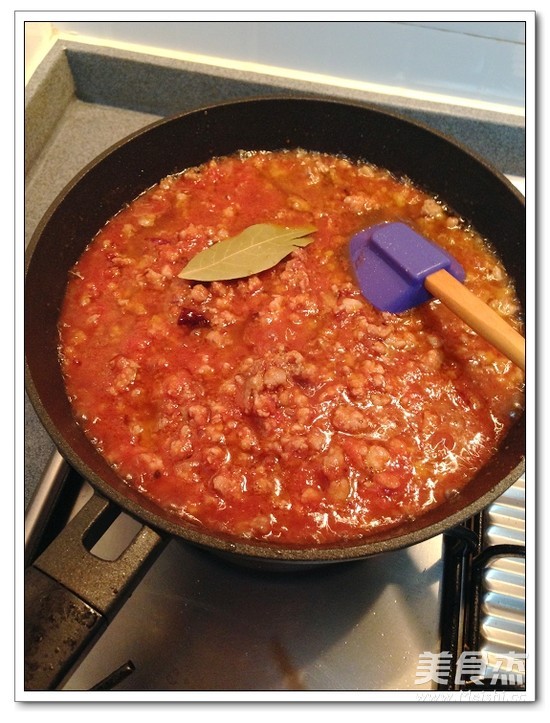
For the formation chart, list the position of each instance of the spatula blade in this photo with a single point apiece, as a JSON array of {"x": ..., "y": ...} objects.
[{"x": 391, "y": 261}]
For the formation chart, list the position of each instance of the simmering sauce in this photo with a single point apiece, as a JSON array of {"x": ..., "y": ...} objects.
[{"x": 282, "y": 406}]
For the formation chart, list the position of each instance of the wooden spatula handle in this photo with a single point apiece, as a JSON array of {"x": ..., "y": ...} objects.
[{"x": 478, "y": 315}]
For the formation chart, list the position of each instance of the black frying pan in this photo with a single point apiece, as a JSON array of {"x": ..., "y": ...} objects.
[{"x": 463, "y": 181}]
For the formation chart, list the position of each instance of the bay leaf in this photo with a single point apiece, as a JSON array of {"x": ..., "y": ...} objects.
[{"x": 257, "y": 248}]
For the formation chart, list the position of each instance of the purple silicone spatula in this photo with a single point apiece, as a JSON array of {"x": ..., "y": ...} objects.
[{"x": 398, "y": 269}]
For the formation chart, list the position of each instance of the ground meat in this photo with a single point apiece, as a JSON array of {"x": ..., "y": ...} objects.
[
  {"x": 347, "y": 418},
  {"x": 282, "y": 406}
]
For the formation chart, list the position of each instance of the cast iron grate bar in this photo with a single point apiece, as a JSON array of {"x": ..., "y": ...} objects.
[{"x": 116, "y": 677}]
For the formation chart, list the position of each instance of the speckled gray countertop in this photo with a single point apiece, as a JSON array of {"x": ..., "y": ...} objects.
[{"x": 82, "y": 99}]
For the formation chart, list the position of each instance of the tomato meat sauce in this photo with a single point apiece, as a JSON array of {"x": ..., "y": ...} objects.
[{"x": 282, "y": 406}]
